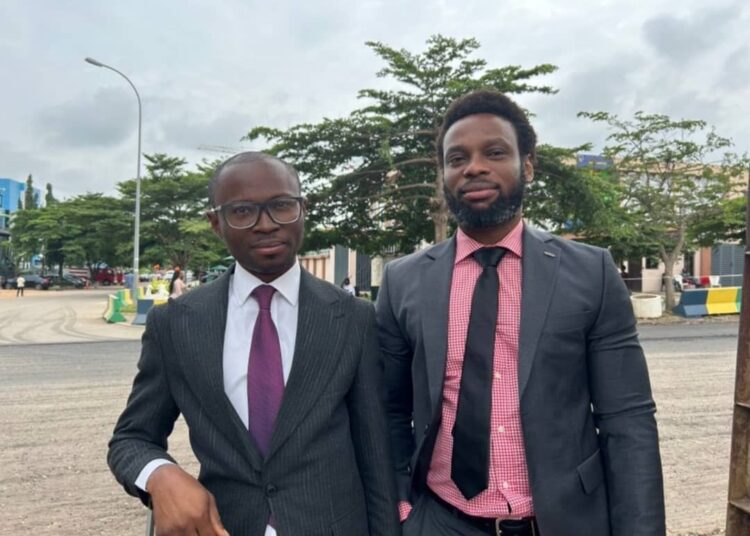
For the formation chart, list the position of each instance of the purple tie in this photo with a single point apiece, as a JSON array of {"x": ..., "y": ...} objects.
[{"x": 265, "y": 377}]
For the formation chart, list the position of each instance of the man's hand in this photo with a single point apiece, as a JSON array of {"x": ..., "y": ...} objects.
[{"x": 182, "y": 506}]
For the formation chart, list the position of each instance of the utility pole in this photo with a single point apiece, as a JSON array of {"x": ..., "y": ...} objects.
[{"x": 738, "y": 508}]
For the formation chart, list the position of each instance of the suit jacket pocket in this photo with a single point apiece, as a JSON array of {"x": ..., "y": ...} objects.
[
  {"x": 352, "y": 524},
  {"x": 591, "y": 472}
]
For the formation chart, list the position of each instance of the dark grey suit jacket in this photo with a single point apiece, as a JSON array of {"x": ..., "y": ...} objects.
[
  {"x": 328, "y": 467},
  {"x": 585, "y": 399}
]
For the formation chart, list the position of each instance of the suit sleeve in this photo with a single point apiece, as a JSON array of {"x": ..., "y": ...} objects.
[
  {"x": 397, "y": 354},
  {"x": 624, "y": 414},
  {"x": 141, "y": 432},
  {"x": 369, "y": 432}
]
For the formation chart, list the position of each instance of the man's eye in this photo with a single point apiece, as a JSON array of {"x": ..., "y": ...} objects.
[
  {"x": 282, "y": 204},
  {"x": 242, "y": 209},
  {"x": 454, "y": 160}
]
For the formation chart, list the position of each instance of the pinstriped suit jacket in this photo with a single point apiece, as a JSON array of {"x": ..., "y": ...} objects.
[{"x": 328, "y": 467}]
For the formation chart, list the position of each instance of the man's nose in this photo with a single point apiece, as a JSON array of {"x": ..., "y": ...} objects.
[
  {"x": 265, "y": 223},
  {"x": 476, "y": 165}
]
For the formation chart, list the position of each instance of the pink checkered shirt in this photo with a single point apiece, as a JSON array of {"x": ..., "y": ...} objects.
[{"x": 508, "y": 493}]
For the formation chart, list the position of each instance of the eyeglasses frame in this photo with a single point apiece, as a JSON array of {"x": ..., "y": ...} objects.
[{"x": 262, "y": 207}]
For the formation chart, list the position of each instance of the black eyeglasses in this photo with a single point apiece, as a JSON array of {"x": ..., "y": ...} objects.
[{"x": 245, "y": 214}]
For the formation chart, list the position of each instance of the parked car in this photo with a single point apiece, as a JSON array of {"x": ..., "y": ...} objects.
[
  {"x": 67, "y": 280},
  {"x": 32, "y": 281}
]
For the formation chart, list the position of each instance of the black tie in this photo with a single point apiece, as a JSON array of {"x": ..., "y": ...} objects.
[{"x": 471, "y": 433}]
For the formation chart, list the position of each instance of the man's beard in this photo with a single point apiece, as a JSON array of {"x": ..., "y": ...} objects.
[{"x": 503, "y": 209}]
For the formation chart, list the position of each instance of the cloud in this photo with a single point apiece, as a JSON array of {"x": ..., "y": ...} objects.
[
  {"x": 736, "y": 70},
  {"x": 104, "y": 119},
  {"x": 684, "y": 38}
]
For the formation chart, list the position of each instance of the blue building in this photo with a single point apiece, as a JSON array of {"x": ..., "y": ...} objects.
[{"x": 11, "y": 198}]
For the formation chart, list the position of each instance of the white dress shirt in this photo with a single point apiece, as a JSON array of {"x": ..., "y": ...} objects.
[{"x": 242, "y": 311}]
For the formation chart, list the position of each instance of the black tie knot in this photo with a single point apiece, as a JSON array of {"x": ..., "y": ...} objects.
[{"x": 489, "y": 257}]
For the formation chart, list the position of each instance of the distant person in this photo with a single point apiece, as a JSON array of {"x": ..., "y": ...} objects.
[
  {"x": 346, "y": 284},
  {"x": 277, "y": 374},
  {"x": 626, "y": 277},
  {"x": 177, "y": 284},
  {"x": 517, "y": 391},
  {"x": 20, "y": 284},
  {"x": 130, "y": 281}
]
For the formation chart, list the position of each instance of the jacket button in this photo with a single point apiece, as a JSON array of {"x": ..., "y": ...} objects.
[
  {"x": 270, "y": 490},
  {"x": 426, "y": 428}
]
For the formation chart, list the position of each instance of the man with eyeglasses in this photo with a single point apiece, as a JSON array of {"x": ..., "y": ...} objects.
[{"x": 276, "y": 374}]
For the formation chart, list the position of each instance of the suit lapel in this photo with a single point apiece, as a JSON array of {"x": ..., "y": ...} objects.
[
  {"x": 204, "y": 336},
  {"x": 540, "y": 263},
  {"x": 435, "y": 285},
  {"x": 320, "y": 331}
]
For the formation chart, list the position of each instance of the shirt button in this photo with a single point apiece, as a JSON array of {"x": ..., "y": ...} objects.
[
  {"x": 506, "y": 485},
  {"x": 497, "y": 375},
  {"x": 501, "y": 429}
]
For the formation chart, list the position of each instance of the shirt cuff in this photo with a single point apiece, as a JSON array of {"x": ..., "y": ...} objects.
[
  {"x": 146, "y": 472},
  {"x": 404, "y": 509}
]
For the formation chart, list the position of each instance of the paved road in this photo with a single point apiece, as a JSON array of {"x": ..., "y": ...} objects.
[
  {"x": 46, "y": 316},
  {"x": 692, "y": 373},
  {"x": 58, "y": 403}
]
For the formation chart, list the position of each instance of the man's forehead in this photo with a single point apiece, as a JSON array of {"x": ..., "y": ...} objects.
[
  {"x": 489, "y": 126},
  {"x": 261, "y": 164},
  {"x": 260, "y": 168}
]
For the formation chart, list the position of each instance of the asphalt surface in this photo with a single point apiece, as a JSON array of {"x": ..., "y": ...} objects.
[{"x": 65, "y": 375}]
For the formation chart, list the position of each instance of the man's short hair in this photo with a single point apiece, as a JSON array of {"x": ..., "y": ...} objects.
[
  {"x": 243, "y": 158},
  {"x": 495, "y": 103}
]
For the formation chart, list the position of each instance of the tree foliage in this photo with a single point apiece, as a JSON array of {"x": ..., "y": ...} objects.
[
  {"x": 173, "y": 200},
  {"x": 724, "y": 222},
  {"x": 93, "y": 228},
  {"x": 49, "y": 197},
  {"x": 83, "y": 230},
  {"x": 29, "y": 199},
  {"x": 372, "y": 178},
  {"x": 668, "y": 180}
]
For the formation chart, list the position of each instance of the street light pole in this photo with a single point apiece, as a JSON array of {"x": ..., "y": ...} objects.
[{"x": 136, "y": 232}]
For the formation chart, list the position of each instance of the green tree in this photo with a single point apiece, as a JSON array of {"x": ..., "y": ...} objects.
[
  {"x": 49, "y": 197},
  {"x": 580, "y": 202},
  {"x": 29, "y": 199},
  {"x": 83, "y": 230},
  {"x": 372, "y": 177},
  {"x": 173, "y": 200},
  {"x": 668, "y": 180},
  {"x": 724, "y": 222}
]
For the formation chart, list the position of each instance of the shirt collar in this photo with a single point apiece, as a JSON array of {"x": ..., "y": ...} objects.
[
  {"x": 287, "y": 284},
  {"x": 513, "y": 242}
]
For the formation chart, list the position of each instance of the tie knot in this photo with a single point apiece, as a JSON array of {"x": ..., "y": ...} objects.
[
  {"x": 489, "y": 256},
  {"x": 263, "y": 295}
]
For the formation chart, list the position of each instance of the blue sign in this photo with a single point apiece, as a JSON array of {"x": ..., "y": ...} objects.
[{"x": 593, "y": 161}]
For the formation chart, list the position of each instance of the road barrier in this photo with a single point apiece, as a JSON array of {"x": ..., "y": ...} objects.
[
  {"x": 125, "y": 296},
  {"x": 142, "y": 309},
  {"x": 112, "y": 313},
  {"x": 709, "y": 301}
]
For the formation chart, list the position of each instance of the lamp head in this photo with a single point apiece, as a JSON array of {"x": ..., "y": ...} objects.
[{"x": 92, "y": 61}]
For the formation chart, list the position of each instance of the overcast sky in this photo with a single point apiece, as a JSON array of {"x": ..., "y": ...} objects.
[{"x": 209, "y": 71}]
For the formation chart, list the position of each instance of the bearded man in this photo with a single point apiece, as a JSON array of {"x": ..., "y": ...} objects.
[{"x": 517, "y": 391}]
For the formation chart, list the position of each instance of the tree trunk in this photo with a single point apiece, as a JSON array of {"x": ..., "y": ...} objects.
[
  {"x": 439, "y": 210},
  {"x": 669, "y": 258},
  {"x": 668, "y": 281}
]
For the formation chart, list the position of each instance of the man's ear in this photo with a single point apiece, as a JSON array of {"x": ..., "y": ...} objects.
[
  {"x": 528, "y": 169},
  {"x": 213, "y": 219}
]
